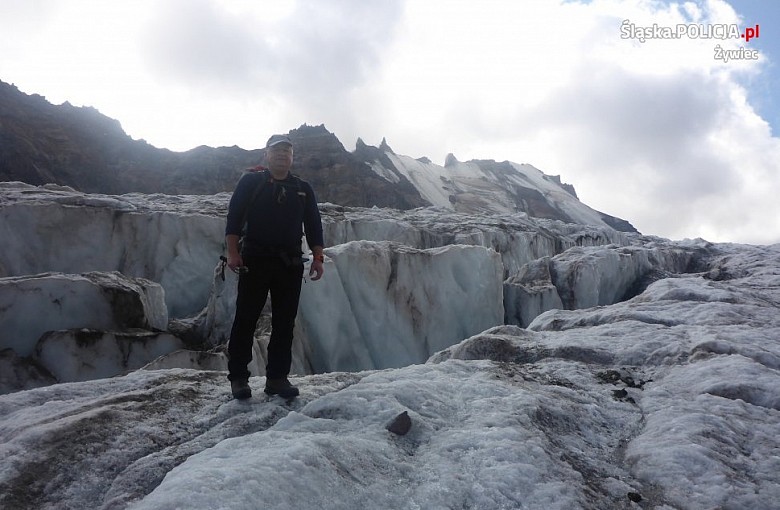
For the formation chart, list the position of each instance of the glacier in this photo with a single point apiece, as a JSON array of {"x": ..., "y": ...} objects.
[
  {"x": 174, "y": 243},
  {"x": 542, "y": 363},
  {"x": 666, "y": 400}
]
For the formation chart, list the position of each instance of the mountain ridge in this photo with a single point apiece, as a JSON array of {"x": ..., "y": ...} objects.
[{"x": 41, "y": 143}]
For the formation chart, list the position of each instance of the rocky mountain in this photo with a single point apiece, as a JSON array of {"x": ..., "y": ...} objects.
[
  {"x": 79, "y": 147},
  {"x": 41, "y": 143}
]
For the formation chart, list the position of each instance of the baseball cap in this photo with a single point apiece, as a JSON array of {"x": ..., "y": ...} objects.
[{"x": 277, "y": 139}]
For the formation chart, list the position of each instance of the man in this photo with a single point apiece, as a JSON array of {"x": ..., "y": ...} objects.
[{"x": 274, "y": 205}]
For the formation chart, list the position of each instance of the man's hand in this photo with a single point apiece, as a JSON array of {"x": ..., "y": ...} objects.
[
  {"x": 234, "y": 261},
  {"x": 316, "y": 267},
  {"x": 317, "y": 270}
]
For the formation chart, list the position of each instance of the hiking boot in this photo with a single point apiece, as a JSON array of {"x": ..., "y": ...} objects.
[
  {"x": 281, "y": 387},
  {"x": 241, "y": 389}
]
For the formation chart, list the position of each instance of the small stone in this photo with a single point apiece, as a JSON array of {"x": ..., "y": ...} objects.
[
  {"x": 401, "y": 424},
  {"x": 635, "y": 497},
  {"x": 619, "y": 394}
]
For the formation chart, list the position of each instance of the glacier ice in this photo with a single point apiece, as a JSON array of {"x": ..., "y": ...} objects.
[
  {"x": 669, "y": 396},
  {"x": 662, "y": 387},
  {"x": 362, "y": 316},
  {"x": 32, "y": 305}
]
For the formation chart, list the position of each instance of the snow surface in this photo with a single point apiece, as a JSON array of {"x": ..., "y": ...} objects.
[
  {"x": 476, "y": 186},
  {"x": 671, "y": 397}
]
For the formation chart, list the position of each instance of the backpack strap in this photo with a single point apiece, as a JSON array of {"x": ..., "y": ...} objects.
[
  {"x": 299, "y": 190},
  {"x": 263, "y": 180}
]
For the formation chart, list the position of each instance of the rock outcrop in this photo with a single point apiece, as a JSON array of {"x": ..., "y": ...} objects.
[
  {"x": 41, "y": 143},
  {"x": 79, "y": 147},
  {"x": 340, "y": 177}
]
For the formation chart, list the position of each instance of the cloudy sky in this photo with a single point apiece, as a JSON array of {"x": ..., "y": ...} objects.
[{"x": 665, "y": 133}]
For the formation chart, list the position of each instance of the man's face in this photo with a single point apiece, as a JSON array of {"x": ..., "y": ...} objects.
[{"x": 280, "y": 156}]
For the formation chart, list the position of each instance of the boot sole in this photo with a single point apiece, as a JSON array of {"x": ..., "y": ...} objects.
[
  {"x": 282, "y": 394},
  {"x": 242, "y": 395}
]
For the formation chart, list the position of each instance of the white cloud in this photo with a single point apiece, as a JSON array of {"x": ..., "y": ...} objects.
[
  {"x": 656, "y": 132},
  {"x": 659, "y": 133}
]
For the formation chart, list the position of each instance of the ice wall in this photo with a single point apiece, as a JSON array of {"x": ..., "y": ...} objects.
[
  {"x": 379, "y": 305},
  {"x": 585, "y": 277},
  {"x": 83, "y": 354},
  {"x": 176, "y": 240},
  {"x": 386, "y": 305},
  {"x": 33, "y": 305},
  {"x": 391, "y": 275},
  {"x": 517, "y": 237},
  {"x": 172, "y": 240}
]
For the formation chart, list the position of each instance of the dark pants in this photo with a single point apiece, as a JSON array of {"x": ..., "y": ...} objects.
[{"x": 284, "y": 282}]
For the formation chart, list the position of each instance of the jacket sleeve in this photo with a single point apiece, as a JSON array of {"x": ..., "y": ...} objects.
[
  {"x": 312, "y": 221},
  {"x": 238, "y": 202}
]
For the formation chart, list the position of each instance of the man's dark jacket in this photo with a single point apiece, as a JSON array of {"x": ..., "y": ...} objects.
[{"x": 277, "y": 215}]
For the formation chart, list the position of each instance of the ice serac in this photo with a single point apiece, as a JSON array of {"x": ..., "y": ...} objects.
[
  {"x": 515, "y": 238},
  {"x": 530, "y": 292},
  {"x": 33, "y": 305},
  {"x": 518, "y": 238},
  {"x": 172, "y": 240},
  {"x": 175, "y": 241},
  {"x": 389, "y": 305},
  {"x": 592, "y": 276},
  {"x": 381, "y": 305},
  {"x": 84, "y": 354},
  {"x": 588, "y": 276}
]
